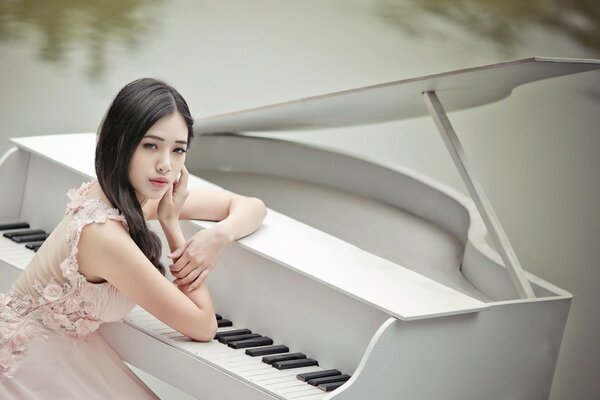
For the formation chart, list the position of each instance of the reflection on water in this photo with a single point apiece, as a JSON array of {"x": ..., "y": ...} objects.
[
  {"x": 501, "y": 21},
  {"x": 62, "y": 25}
]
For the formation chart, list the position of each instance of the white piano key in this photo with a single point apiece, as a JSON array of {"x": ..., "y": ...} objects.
[
  {"x": 287, "y": 384},
  {"x": 146, "y": 322},
  {"x": 231, "y": 354},
  {"x": 227, "y": 329},
  {"x": 204, "y": 350},
  {"x": 301, "y": 389},
  {"x": 17, "y": 253},
  {"x": 251, "y": 367},
  {"x": 276, "y": 379},
  {"x": 235, "y": 357},
  {"x": 308, "y": 396},
  {"x": 10, "y": 246},
  {"x": 151, "y": 323},
  {"x": 231, "y": 357},
  {"x": 267, "y": 377}
]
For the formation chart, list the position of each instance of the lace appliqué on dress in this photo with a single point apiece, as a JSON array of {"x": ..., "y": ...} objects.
[{"x": 63, "y": 307}]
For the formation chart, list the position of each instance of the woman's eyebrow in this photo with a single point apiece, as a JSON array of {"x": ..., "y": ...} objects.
[{"x": 162, "y": 140}]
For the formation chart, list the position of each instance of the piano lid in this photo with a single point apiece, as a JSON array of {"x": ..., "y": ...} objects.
[{"x": 396, "y": 100}]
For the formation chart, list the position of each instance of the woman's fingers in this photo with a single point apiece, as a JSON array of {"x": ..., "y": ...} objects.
[
  {"x": 181, "y": 191},
  {"x": 179, "y": 265},
  {"x": 183, "y": 179},
  {"x": 182, "y": 273},
  {"x": 189, "y": 277},
  {"x": 199, "y": 280}
]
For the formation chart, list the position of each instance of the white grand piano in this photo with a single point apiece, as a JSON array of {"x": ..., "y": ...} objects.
[{"x": 407, "y": 288}]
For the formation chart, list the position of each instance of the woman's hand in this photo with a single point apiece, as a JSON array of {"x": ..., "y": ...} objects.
[
  {"x": 171, "y": 203},
  {"x": 196, "y": 258}
]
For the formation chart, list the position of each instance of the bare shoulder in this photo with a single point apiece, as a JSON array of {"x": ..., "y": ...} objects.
[
  {"x": 101, "y": 245},
  {"x": 103, "y": 235}
]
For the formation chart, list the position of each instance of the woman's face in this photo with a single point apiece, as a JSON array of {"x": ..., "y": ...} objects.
[{"x": 159, "y": 157}]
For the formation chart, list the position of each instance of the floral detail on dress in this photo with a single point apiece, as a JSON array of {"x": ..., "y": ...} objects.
[
  {"x": 77, "y": 196},
  {"x": 65, "y": 307},
  {"x": 14, "y": 330}
]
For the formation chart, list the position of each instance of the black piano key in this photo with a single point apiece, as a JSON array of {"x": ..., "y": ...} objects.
[
  {"x": 306, "y": 362},
  {"x": 33, "y": 245},
  {"x": 222, "y": 323},
  {"x": 328, "y": 379},
  {"x": 328, "y": 387},
  {"x": 36, "y": 248},
  {"x": 29, "y": 238},
  {"x": 283, "y": 357},
  {"x": 244, "y": 344},
  {"x": 227, "y": 339},
  {"x": 218, "y": 317},
  {"x": 14, "y": 225},
  {"x": 10, "y": 235},
  {"x": 232, "y": 332},
  {"x": 264, "y": 351},
  {"x": 319, "y": 374}
]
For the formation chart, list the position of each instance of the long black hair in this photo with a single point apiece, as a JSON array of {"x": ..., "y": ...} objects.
[{"x": 137, "y": 107}]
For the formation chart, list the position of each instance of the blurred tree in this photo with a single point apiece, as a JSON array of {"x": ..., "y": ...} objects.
[
  {"x": 61, "y": 25},
  {"x": 501, "y": 21}
]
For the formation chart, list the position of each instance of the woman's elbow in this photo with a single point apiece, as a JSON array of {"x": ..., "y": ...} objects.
[
  {"x": 260, "y": 207},
  {"x": 207, "y": 331}
]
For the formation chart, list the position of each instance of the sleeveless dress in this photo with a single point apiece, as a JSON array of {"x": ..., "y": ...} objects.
[{"x": 49, "y": 347}]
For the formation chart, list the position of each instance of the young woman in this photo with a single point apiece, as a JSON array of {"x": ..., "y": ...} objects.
[{"x": 49, "y": 347}]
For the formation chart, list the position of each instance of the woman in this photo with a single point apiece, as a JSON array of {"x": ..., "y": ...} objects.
[{"x": 110, "y": 259}]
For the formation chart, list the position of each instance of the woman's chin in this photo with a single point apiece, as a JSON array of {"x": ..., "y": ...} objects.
[
  {"x": 156, "y": 195},
  {"x": 151, "y": 195}
]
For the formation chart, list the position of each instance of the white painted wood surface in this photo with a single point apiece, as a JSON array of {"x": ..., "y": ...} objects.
[
  {"x": 13, "y": 170},
  {"x": 387, "y": 210},
  {"x": 508, "y": 352},
  {"x": 460, "y": 89}
]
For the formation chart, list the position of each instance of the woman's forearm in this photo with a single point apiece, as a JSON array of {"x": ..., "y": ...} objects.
[
  {"x": 245, "y": 216},
  {"x": 201, "y": 296},
  {"x": 173, "y": 233}
]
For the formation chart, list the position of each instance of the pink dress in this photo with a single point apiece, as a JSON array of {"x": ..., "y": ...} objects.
[{"x": 49, "y": 347}]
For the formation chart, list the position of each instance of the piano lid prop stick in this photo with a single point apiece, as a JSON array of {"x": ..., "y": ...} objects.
[{"x": 499, "y": 238}]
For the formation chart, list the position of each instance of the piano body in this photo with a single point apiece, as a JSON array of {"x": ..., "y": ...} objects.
[{"x": 376, "y": 271}]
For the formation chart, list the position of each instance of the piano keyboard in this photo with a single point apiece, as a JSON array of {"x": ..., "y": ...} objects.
[
  {"x": 249, "y": 356},
  {"x": 239, "y": 351},
  {"x": 18, "y": 243}
]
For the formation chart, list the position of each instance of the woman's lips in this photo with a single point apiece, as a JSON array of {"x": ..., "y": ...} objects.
[{"x": 159, "y": 182}]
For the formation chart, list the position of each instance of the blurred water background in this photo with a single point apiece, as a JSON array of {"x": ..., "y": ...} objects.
[{"x": 62, "y": 62}]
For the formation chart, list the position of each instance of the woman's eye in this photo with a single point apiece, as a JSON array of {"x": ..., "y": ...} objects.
[
  {"x": 151, "y": 146},
  {"x": 180, "y": 150}
]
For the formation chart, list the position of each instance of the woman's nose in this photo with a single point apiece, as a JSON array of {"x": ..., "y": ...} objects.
[{"x": 163, "y": 163}]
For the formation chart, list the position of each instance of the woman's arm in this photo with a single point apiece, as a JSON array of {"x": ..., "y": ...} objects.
[
  {"x": 237, "y": 217},
  {"x": 198, "y": 256},
  {"x": 106, "y": 250}
]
